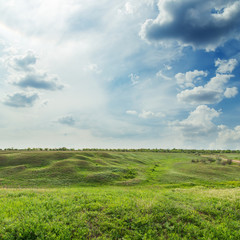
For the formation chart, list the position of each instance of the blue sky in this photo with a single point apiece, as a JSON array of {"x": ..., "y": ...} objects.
[{"x": 120, "y": 74}]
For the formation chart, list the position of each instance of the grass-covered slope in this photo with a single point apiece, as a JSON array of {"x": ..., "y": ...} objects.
[{"x": 73, "y": 168}]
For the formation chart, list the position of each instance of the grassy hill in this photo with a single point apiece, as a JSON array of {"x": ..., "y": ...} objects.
[
  {"x": 119, "y": 195},
  {"x": 57, "y": 169}
]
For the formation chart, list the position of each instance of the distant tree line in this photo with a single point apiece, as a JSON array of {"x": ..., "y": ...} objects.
[{"x": 157, "y": 150}]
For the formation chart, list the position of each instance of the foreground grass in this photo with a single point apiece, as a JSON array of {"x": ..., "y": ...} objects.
[{"x": 120, "y": 213}]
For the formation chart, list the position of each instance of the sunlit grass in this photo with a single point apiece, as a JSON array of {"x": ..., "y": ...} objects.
[{"x": 115, "y": 195}]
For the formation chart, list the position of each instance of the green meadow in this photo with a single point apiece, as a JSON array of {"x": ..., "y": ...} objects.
[{"x": 119, "y": 195}]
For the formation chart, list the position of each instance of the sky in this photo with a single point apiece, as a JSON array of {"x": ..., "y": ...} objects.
[{"x": 120, "y": 74}]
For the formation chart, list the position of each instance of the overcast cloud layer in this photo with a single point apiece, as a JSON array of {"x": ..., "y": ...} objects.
[{"x": 120, "y": 74}]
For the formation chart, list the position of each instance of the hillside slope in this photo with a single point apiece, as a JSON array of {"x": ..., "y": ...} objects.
[{"x": 80, "y": 168}]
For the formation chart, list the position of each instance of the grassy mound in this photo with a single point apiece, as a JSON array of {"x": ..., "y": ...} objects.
[{"x": 57, "y": 169}]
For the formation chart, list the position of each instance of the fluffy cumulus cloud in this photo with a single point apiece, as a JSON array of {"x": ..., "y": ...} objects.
[
  {"x": 200, "y": 95},
  {"x": 227, "y": 138},
  {"x": 198, "y": 124},
  {"x": 21, "y": 100},
  {"x": 199, "y": 129},
  {"x": 231, "y": 92},
  {"x": 225, "y": 66},
  {"x": 198, "y": 23},
  {"x": 213, "y": 91},
  {"x": 188, "y": 79}
]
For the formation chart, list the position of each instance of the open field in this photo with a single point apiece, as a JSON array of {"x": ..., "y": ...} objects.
[{"x": 119, "y": 195}]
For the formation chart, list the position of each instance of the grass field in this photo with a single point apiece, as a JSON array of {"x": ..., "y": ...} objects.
[{"x": 118, "y": 195}]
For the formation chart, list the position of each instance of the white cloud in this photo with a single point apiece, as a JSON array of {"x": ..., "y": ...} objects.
[
  {"x": 134, "y": 78},
  {"x": 213, "y": 91},
  {"x": 64, "y": 42},
  {"x": 194, "y": 23},
  {"x": 231, "y": 92},
  {"x": 34, "y": 19},
  {"x": 129, "y": 8},
  {"x": 225, "y": 66},
  {"x": 167, "y": 67},
  {"x": 163, "y": 76},
  {"x": 146, "y": 114},
  {"x": 198, "y": 125},
  {"x": 131, "y": 112},
  {"x": 21, "y": 100},
  {"x": 23, "y": 62},
  {"x": 24, "y": 73},
  {"x": 218, "y": 82},
  {"x": 200, "y": 95},
  {"x": 188, "y": 79},
  {"x": 227, "y": 138},
  {"x": 38, "y": 80},
  {"x": 150, "y": 114},
  {"x": 93, "y": 67},
  {"x": 199, "y": 129}
]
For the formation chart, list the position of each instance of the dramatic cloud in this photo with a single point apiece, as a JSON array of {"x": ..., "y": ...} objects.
[
  {"x": 94, "y": 48},
  {"x": 231, "y": 92},
  {"x": 198, "y": 23},
  {"x": 212, "y": 92},
  {"x": 67, "y": 120},
  {"x": 198, "y": 124},
  {"x": 189, "y": 78},
  {"x": 39, "y": 81},
  {"x": 21, "y": 100}
]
